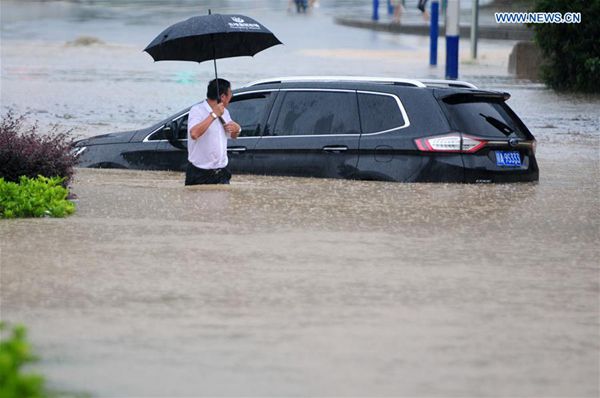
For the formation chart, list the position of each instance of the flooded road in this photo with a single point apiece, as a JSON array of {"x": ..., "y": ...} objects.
[
  {"x": 289, "y": 286},
  {"x": 292, "y": 286}
]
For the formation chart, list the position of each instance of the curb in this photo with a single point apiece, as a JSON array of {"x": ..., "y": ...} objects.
[{"x": 515, "y": 32}]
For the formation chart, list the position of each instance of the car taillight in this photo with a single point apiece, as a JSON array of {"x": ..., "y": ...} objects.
[{"x": 450, "y": 143}]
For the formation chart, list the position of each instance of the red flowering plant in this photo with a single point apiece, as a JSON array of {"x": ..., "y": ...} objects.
[{"x": 24, "y": 151}]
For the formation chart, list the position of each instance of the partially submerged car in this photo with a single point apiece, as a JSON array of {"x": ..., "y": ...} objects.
[{"x": 347, "y": 127}]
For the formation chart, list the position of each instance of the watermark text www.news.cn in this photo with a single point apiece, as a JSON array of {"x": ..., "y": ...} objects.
[{"x": 538, "y": 17}]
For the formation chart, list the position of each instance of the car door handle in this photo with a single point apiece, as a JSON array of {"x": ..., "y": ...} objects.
[
  {"x": 237, "y": 149},
  {"x": 335, "y": 148}
]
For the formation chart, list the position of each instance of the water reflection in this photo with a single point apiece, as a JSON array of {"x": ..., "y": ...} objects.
[{"x": 259, "y": 203}]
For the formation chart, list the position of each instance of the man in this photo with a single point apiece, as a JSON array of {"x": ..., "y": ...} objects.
[
  {"x": 209, "y": 126},
  {"x": 398, "y": 9},
  {"x": 422, "y": 6}
]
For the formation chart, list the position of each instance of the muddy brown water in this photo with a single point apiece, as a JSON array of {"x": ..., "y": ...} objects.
[{"x": 294, "y": 286}]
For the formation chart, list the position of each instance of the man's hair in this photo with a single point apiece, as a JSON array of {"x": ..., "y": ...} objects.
[{"x": 211, "y": 91}]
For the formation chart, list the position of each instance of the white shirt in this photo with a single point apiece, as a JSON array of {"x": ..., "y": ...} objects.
[{"x": 209, "y": 151}]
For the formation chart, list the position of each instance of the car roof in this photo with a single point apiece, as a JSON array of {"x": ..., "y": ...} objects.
[
  {"x": 440, "y": 87},
  {"x": 364, "y": 79}
]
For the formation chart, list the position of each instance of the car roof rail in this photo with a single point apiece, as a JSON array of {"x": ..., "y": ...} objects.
[
  {"x": 358, "y": 79},
  {"x": 447, "y": 83}
]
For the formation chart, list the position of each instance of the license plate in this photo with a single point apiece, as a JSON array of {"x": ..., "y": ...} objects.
[{"x": 508, "y": 158}]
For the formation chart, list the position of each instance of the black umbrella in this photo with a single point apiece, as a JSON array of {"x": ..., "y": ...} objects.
[{"x": 212, "y": 36}]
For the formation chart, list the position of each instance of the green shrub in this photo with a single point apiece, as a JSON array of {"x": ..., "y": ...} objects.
[
  {"x": 15, "y": 352},
  {"x": 38, "y": 197},
  {"x": 572, "y": 51}
]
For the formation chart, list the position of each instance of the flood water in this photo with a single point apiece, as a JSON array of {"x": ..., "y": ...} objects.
[{"x": 290, "y": 286}]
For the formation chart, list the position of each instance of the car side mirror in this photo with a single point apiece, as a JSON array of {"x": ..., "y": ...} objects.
[{"x": 173, "y": 134}]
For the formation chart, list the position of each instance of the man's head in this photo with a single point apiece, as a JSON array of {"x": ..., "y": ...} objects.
[{"x": 224, "y": 91}]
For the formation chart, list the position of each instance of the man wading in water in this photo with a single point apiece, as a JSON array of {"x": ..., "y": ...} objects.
[{"x": 209, "y": 126}]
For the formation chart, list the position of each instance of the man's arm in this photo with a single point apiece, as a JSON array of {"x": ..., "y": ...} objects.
[
  {"x": 200, "y": 128},
  {"x": 233, "y": 129}
]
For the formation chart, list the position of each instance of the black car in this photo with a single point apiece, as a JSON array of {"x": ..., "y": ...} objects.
[{"x": 345, "y": 127}]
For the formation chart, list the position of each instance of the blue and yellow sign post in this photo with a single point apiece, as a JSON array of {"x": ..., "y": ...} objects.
[
  {"x": 375, "y": 10},
  {"x": 434, "y": 32}
]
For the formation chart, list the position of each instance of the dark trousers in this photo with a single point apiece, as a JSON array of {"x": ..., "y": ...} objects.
[{"x": 196, "y": 176}]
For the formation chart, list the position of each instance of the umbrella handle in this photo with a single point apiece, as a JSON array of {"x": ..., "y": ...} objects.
[
  {"x": 217, "y": 81},
  {"x": 216, "y": 75}
]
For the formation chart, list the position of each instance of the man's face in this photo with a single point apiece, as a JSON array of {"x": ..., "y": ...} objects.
[{"x": 225, "y": 98}]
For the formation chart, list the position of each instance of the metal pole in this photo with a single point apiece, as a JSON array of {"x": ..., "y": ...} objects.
[
  {"x": 375, "y": 10},
  {"x": 216, "y": 76},
  {"x": 474, "y": 28},
  {"x": 215, "y": 63},
  {"x": 433, "y": 33},
  {"x": 452, "y": 37}
]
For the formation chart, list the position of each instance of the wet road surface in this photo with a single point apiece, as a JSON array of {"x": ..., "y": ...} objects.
[{"x": 292, "y": 286}]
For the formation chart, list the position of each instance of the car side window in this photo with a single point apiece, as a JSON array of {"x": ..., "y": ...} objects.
[
  {"x": 379, "y": 113},
  {"x": 165, "y": 132},
  {"x": 247, "y": 110},
  {"x": 159, "y": 135},
  {"x": 317, "y": 113}
]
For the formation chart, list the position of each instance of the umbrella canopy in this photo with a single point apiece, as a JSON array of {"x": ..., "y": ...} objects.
[{"x": 211, "y": 36}]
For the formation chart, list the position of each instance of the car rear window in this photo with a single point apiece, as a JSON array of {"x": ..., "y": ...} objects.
[
  {"x": 317, "y": 112},
  {"x": 379, "y": 113},
  {"x": 484, "y": 117}
]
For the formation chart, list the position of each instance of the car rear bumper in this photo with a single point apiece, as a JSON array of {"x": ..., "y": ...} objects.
[{"x": 482, "y": 170}]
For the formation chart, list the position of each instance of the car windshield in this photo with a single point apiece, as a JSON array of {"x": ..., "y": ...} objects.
[{"x": 484, "y": 117}]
